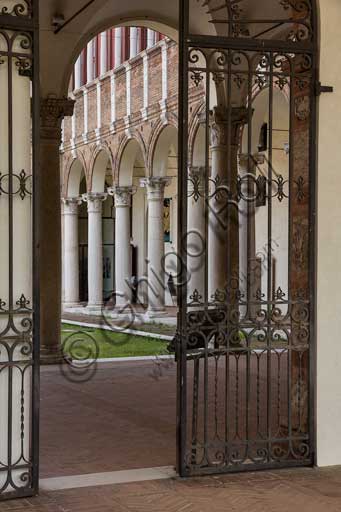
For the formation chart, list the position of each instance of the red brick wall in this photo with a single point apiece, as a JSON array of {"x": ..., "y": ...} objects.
[
  {"x": 137, "y": 86},
  {"x": 92, "y": 109},
  {"x": 172, "y": 66},
  {"x": 121, "y": 98},
  {"x": 155, "y": 76},
  {"x": 106, "y": 102}
]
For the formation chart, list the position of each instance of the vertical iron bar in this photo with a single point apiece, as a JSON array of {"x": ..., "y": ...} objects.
[
  {"x": 182, "y": 231},
  {"x": 35, "y": 248},
  {"x": 227, "y": 356},
  {"x": 10, "y": 248},
  {"x": 269, "y": 262}
]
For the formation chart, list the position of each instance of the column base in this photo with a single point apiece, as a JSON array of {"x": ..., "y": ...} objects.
[
  {"x": 51, "y": 355},
  {"x": 71, "y": 305},
  {"x": 156, "y": 313},
  {"x": 94, "y": 308}
]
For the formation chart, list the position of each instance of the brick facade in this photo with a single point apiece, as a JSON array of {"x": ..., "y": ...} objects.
[{"x": 142, "y": 125}]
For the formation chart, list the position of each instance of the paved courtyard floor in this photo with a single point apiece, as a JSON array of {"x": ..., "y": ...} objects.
[
  {"x": 122, "y": 417},
  {"x": 300, "y": 490}
]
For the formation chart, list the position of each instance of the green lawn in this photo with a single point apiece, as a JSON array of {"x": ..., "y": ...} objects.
[{"x": 85, "y": 343}]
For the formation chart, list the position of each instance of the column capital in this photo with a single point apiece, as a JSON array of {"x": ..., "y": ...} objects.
[
  {"x": 219, "y": 120},
  {"x": 94, "y": 200},
  {"x": 155, "y": 186},
  {"x": 52, "y": 112},
  {"x": 71, "y": 205},
  {"x": 122, "y": 195}
]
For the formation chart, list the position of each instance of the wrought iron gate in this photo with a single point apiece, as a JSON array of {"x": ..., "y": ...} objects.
[
  {"x": 246, "y": 235},
  {"x": 19, "y": 347}
]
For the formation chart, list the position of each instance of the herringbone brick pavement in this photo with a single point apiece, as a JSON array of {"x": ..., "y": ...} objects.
[{"x": 300, "y": 490}]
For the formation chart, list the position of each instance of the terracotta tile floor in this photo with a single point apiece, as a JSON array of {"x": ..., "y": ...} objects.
[
  {"x": 300, "y": 490},
  {"x": 123, "y": 418}
]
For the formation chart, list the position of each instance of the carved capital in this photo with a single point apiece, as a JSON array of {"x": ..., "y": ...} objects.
[
  {"x": 52, "y": 112},
  {"x": 122, "y": 196},
  {"x": 94, "y": 201},
  {"x": 155, "y": 187},
  {"x": 71, "y": 205},
  {"x": 219, "y": 123}
]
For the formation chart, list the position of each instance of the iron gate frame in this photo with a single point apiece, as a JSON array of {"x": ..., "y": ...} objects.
[
  {"x": 28, "y": 24},
  {"x": 187, "y": 41}
]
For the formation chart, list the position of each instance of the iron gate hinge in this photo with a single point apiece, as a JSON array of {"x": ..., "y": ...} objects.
[{"x": 320, "y": 89}]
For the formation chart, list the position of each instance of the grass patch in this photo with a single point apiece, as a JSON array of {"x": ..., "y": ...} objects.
[{"x": 108, "y": 343}]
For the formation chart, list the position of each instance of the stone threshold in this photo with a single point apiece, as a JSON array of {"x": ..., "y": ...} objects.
[{"x": 107, "y": 478}]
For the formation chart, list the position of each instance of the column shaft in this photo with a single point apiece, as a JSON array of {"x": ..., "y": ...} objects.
[
  {"x": 123, "y": 256},
  {"x": 156, "y": 245},
  {"x": 196, "y": 243},
  {"x": 52, "y": 112},
  {"x": 71, "y": 252},
  {"x": 95, "y": 250},
  {"x": 223, "y": 251},
  {"x": 249, "y": 273}
]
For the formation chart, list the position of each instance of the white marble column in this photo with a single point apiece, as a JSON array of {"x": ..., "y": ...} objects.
[
  {"x": 90, "y": 61},
  {"x": 95, "y": 249},
  {"x": 104, "y": 67},
  {"x": 71, "y": 251},
  {"x": 156, "y": 246},
  {"x": 223, "y": 249},
  {"x": 196, "y": 237},
  {"x": 133, "y": 42},
  {"x": 118, "y": 46},
  {"x": 249, "y": 271},
  {"x": 123, "y": 256},
  {"x": 218, "y": 211},
  {"x": 78, "y": 73}
]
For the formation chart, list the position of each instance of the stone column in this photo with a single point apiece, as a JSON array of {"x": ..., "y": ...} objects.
[
  {"x": 223, "y": 250},
  {"x": 95, "y": 249},
  {"x": 123, "y": 257},
  {"x": 218, "y": 209},
  {"x": 53, "y": 111},
  {"x": 103, "y": 53},
  {"x": 249, "y": 271},
  {"x": 196, "y": 238},
  {"x": 156, "y": 247},
  {"x": 71, "y": 251}
]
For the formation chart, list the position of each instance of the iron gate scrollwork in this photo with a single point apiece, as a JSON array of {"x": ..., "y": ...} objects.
[
  {"x": 19, "y": 299},
  {"x": 245, "y": 345}
]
